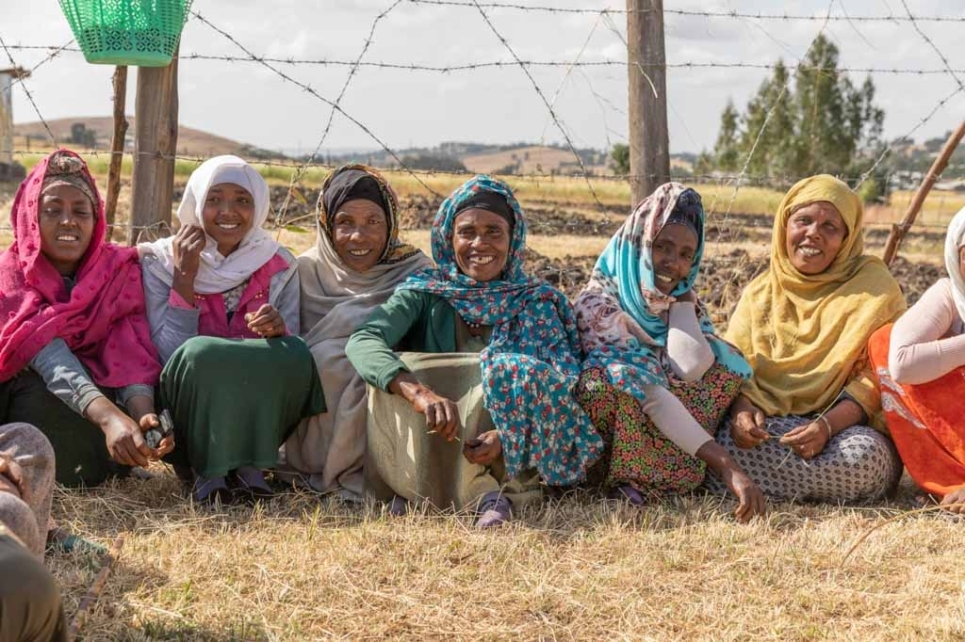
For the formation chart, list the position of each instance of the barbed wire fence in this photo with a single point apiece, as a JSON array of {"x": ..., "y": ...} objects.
[{"x": 285, "y": 69}]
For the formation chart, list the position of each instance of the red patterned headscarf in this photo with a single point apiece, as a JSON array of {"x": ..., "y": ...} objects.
[{"x": 102, "y": 320}]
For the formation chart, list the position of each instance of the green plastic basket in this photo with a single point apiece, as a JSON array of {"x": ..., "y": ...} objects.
[{"x": 144, "y": 33}]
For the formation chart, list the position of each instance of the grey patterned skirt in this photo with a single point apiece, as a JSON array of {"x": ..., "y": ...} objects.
[{"x": 858, "y": 464}]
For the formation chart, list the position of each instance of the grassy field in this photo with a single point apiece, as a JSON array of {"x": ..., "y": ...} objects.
[
  {"x": 307, "y": 568},
  {"x": 580, "y": 568}
]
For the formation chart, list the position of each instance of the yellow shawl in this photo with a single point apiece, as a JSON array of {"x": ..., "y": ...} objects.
[{"x": 806, "y": 336}]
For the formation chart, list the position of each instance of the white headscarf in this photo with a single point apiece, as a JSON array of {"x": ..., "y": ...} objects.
[
  {"x": 221, "y": 273},
  {"x": 953, "y": 241}
]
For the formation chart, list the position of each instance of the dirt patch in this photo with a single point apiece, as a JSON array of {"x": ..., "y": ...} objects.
[{"x": 722, "y": 277}]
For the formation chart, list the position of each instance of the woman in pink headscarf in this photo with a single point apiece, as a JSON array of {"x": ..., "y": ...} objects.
[{"x": 75, "y": 347}]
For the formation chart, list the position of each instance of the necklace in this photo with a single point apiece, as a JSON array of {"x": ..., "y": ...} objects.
[{"x": 472, "y": 325}]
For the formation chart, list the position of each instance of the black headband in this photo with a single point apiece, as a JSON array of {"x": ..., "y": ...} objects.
[
  {"x": 366, "y": 189},
  {"x": 491, "y": 202}
]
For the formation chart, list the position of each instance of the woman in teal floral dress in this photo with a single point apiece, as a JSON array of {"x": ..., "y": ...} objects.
[
  {"x": 498, "y": 359},
  {"x": 656, "y": 381}
]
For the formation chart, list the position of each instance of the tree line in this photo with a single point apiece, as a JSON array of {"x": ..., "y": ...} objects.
[{"x": 809, "y": 120}]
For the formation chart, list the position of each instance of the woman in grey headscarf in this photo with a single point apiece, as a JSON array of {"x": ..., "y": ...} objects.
[{"x": 354, "y": 267}]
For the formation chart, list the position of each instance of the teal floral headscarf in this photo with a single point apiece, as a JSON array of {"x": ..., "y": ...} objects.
[
  {"x": 532, "y": 363},
  {"x": 622, "y": 316}
]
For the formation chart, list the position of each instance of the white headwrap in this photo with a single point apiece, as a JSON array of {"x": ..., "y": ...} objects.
[
  {"x": 953, "y": 242},
  {"x": 221, "y": 273}
]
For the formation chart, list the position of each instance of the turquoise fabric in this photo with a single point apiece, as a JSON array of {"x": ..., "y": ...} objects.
[
  {"x": 624, "y": 274},
  {"x": 532, "y": 363}
]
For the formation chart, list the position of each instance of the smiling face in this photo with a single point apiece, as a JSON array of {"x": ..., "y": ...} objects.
[
  {"x": 359, "y": 232},
  {"x": 66, "y": 227},
  {"x": 673, "y": 253},
  {"x": 228, "y": 212},
  {"x": 480, "y": 241},
  {"x": 815, "y": 234}
]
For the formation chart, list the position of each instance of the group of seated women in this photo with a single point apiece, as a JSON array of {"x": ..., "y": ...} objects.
[{"x": 364, "y": 368}]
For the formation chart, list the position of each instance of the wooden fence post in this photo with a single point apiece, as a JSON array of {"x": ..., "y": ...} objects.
[
  {"x": 649, "y": 139},
  {"x": 898, "y": 230},
  {"x": 156, "y": 142},
  {"x": 117, "y": 146}
]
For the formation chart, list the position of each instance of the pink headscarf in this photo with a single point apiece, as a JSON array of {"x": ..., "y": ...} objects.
[{"x": 102, "y": 321}]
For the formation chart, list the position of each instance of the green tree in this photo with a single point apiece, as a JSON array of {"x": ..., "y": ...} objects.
[
  {"x": 620, "y": 159},
  {"x": 812, "y": 121},
  {"x": 726, "y": 150}
]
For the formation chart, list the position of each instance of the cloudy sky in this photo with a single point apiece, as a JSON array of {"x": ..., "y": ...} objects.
[{"x": 403, "y": 108}]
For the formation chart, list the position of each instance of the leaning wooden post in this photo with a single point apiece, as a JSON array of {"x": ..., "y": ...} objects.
[
  {"x": 156, "y": 141},
  {"x": 898, "y": 230},
  {"x": 647, "y": 70},
  {"x": 117, "y": 146}
]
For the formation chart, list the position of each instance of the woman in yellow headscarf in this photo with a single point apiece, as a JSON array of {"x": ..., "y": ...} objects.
[{"x": 802, "y": 426}]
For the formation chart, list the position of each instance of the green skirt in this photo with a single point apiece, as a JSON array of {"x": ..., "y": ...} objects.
[{"x": 234, "y": 401}]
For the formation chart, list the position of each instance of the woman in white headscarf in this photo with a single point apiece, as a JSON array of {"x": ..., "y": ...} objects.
[
  {"x": 223, "y": 299},
  {"x": 920, "y": 365},
  {"x": 354, "y": 267}
]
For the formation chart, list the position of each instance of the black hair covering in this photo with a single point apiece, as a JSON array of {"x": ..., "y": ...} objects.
[{"x": 491, "y": 202}]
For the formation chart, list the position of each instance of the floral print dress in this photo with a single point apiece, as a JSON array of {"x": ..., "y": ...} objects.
[
  {"x": 532, "y": 363},
  {"x": 622, "y": 320}
]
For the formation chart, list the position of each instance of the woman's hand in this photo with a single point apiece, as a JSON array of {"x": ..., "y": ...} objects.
[
  {"x": 266, "y": 322},
  {"x": 484, "y": 449},
  {"x": 807, "y": 440},
  {"x": 750, "y": 499},
  {"x": 11, "y": 477},
  {"x": 747, "y": 427},
  {"x": 442, "y": 415},
  {"x": 187, "y": 246},
  {"x": 151, "y": 421},
  {"x": 125, "y": 441}
]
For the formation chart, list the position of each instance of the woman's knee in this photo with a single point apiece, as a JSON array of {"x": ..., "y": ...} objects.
[
  {"x": 20, "y": 520},
  {"x": 873, "y": 461}
]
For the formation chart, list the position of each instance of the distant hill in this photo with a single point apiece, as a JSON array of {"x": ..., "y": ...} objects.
[
  {"x": 535, "y": 159},
  {"x": 191, "y": 142}
]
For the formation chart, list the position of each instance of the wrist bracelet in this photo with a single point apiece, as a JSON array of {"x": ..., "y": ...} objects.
[{"x": 827, "y": 424}]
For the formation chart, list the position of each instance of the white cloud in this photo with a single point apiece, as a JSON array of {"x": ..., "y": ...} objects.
[{"x": 247, "y": 102}]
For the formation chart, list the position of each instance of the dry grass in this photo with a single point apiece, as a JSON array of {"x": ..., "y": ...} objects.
[
  {"x": 307, "y": 568},
  {"x": 304, "y": 568}
]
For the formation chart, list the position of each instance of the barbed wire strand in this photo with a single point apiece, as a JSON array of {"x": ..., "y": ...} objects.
[
  {"x": 767, "y": 119},
  {"x": 317, "y": 95},
  {"x": 56, "y": 52},
  {"x": 932, "y": 44},
  {"x": 13, "y": 63},
  {"x": 165, "y": 227},
  {"x": 566, "y": 76},
  {"x": 477, "y": 66},
  {"x": 854, "y": 27},
  {"x": 687, "y": 12},
  {"x": 296, "y": 176},
  {"x": 935, "y": 110},
  {"x": 640, "y": 67},
  {"x": 720, "y": 178},
  {"x": 921, "y": 123},
  {"x": 539, "y": 92}
]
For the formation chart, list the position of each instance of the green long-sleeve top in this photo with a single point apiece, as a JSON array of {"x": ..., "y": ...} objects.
[{"x": 410, "y": 321}]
